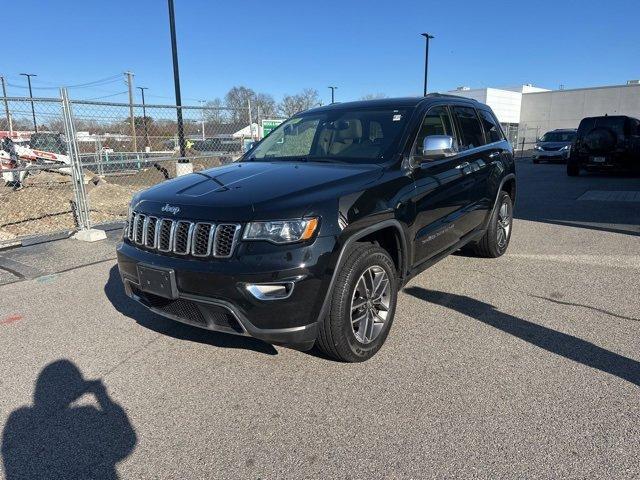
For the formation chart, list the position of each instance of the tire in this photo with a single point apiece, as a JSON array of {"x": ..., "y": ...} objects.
[
  {"x": 490, "y": 245},
  {"x": 337, "y": 338},
  {"x": 573, "y": 169}
]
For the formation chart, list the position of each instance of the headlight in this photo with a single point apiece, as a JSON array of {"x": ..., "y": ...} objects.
[
  {"x": 281, "y": 231},
  {"x": 538, "y": 147},
  {"x": 565, "y": 148}
]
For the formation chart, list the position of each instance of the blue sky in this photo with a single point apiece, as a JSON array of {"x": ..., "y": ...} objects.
[{"x": 283, "y": 46}]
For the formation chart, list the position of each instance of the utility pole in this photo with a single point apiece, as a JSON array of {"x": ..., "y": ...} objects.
[
  {"x": 202, "y": 102},
  {"x": 6, "y": 107},
  {"x": 333, "y": 93},
  {"x": 144, "y": 118},
  {"x": 250, "y": 118},
  {"x": 131, "y": 118},
  {"x": 33, "y": 111},
  {"x": 176, "y": 82},
  {"x": 426, "y": 60}
]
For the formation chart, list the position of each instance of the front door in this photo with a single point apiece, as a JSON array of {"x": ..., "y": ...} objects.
[{"x": 442, "y": 191}]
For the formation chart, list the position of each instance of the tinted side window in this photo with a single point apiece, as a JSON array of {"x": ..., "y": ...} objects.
[
  {"x": 436, "y": 122},
  {"x": 470, "y": 128},
  {"x": 490, "y": 125}
]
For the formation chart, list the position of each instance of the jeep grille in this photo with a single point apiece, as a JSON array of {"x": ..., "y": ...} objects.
[{"x": 183, "y": 237}]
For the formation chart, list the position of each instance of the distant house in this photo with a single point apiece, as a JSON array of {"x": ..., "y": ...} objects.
[{"x": 249, "y": 131}]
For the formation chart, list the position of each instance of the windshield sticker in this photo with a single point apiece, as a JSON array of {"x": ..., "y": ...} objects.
[{"x": 397, "y": 117}]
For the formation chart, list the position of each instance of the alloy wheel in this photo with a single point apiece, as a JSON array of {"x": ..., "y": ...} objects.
[
  {"x": 370, "y": 304},
  {"x": 504, "y": 225}
]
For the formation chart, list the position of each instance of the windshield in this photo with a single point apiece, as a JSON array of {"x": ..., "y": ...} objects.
[
  {"x": 558, "y": 137},
  {"x": 349, "y": 136}
]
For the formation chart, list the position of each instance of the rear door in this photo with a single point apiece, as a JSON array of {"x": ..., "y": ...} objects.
[
  {"x": 490, "y": 169},
  {"x": 442, "y": 190},
  {"x": 481, "y": 147}
]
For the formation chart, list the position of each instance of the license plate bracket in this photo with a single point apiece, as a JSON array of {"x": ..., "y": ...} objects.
[
  {"x": 598, "y": 159},
  {"x": 158, "y": 281}
]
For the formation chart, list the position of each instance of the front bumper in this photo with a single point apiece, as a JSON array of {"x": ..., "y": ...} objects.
[
  {"x": 212, "y": 293},
  {"x": 552, "y": 155},
  {"x": 609, "y": 161}
]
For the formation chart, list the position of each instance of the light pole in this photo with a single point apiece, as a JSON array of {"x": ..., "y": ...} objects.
[
  {"x": 6, "y": 106},
  {"x": 33, "y": 111},
  {"x": 333, "y": 93},
  {"x": 144, "y": 117},
  {"x": 176, "y": 82},
  {"x": 426, "y": 60}
]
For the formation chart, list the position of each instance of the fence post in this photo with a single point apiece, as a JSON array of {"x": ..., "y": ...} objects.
[{"x": 82, "y": 205}]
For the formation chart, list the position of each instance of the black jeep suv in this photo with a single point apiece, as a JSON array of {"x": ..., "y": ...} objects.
[
  {"x": 309, "y": 236},
  {"x": 609, "y": 143}
]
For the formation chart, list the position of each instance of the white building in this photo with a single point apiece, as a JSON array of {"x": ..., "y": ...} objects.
[
  {"x": 505, "y": 103},
  {"x": 527, "y": 112},
  {"x": 544, "y": 111}
]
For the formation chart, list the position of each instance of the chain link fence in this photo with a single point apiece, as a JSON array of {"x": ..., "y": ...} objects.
[
  {"x": 527, "y": 138},
  {"x": 69, "y": 165}
]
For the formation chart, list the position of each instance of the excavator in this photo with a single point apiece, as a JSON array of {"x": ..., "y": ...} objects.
[{"x": 42, "y": 148}]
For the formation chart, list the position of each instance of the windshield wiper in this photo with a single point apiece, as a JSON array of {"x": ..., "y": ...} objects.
[{"x": 327, "y": 160}]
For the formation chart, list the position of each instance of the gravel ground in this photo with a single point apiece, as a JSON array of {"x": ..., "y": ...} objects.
[
  {"x": 525, "y": 366},
  {"x": 44, "y": 205}
]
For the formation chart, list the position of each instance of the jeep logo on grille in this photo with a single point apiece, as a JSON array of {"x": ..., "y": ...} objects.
[{"x": 170, "y": 209}]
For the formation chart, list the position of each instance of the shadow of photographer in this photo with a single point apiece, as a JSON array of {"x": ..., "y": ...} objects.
[{"x": 55, "y": 438}]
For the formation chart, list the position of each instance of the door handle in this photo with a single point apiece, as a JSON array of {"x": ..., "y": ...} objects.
[{"x": 462, "y": 165}]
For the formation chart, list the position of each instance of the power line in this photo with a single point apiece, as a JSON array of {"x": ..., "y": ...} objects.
[
  {"x": 107, "y": 96},
  {"x": 106, "y": 80},
  {"x": 94, "y": 83}
]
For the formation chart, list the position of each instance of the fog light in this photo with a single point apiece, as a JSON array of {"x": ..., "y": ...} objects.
[{"x": 270, "y": 291}]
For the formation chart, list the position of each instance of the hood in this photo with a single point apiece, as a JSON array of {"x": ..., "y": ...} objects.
[{"x": 254, "y": 190}]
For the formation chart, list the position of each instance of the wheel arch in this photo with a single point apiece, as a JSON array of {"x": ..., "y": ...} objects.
[
  {"x": 371, "y": 233},
  {"x": 508, "y": 185}
]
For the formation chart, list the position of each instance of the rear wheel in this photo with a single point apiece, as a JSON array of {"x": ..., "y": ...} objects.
[
  {"x": 496, "y": 239},
  {"x": 363, "y": 305}
]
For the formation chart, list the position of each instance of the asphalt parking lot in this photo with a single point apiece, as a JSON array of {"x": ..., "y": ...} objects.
[{"x": 525, "y": 366}]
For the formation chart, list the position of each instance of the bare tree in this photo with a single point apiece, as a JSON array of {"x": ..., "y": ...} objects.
[
  {"x": 292, "y": 104},
  {"x": 266, "y": 105},
  {"x": 237, "y": 100},
  {"x": 215, "y": 112}
]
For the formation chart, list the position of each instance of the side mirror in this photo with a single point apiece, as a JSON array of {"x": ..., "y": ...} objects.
[{"x": 435, "y": 147}]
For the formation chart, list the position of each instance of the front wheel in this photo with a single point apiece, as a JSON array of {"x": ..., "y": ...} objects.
[{"x": 363, "y": 305}]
